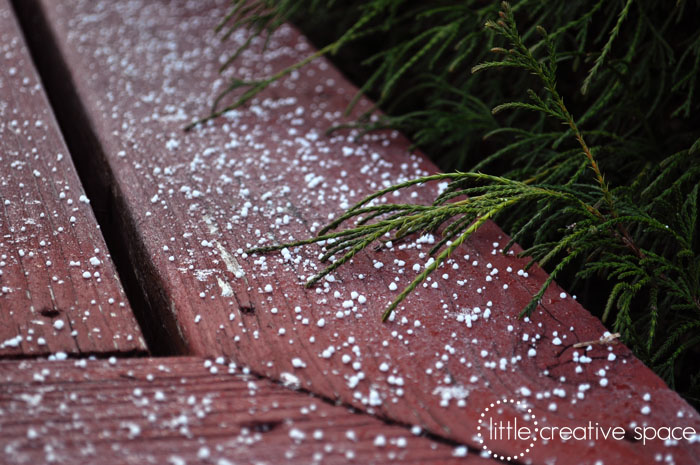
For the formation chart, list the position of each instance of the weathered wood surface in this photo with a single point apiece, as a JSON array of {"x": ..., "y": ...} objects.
[
  {"x": 58, "y": 288},
  {"x": 267, "y": 173},
  {"x": 186, "y": 410}
]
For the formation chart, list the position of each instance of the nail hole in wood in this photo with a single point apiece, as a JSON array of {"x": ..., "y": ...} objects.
[
  {"x": 261, "y": 426},
  {"x": 49, "y": 312},
  {"x": 629, "y": 436},
  {"x": 247, "y": 309}
]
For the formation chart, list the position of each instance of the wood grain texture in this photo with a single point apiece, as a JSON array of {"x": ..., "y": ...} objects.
[
  {"x": 267, "y": 173},
  {"x": 58, "y": 288},
  {"x": 186, "y": 410}
]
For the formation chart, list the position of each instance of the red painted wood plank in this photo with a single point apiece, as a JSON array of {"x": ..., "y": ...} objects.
[
  {"x": 58, "y": 288},
  {"x": 186, "y": 410},
  {"x": 268, "y": 173}
]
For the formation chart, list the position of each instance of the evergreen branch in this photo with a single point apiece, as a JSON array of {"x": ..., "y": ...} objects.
[
  {"x": 608, "y": 46},
  {"x": 441, "y": 257}
]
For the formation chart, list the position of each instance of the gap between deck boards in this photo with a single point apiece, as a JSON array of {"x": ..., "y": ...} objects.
[{"x": 98, "y": 183}]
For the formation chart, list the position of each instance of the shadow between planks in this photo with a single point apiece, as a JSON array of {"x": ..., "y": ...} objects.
[
  {"x": 108, "y": 205},
  {"x": 59, "y": 291}
]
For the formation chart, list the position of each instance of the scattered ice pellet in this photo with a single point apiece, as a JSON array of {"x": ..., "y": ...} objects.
[{"x": 297, "y": 434}]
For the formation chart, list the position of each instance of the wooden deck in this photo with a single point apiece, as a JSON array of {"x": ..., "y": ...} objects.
[
  {"x": 186, "y": 410},
  {"x": 124, "y": 79},
  {"x": 58, "y": 289}
]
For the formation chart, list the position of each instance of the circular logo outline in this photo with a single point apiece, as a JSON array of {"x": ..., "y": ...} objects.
[{"x": 492, "y": 405}]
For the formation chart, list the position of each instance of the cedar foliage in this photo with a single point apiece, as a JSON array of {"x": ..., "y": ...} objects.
[{"x": 589, "y": 130}]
